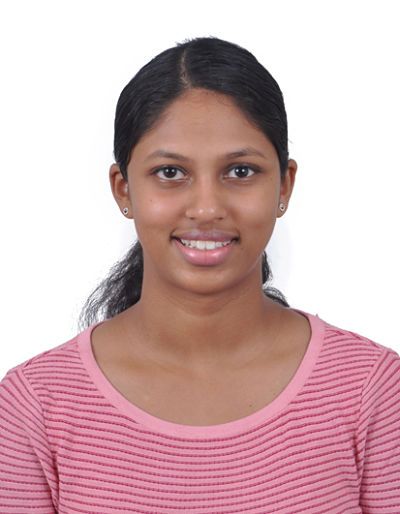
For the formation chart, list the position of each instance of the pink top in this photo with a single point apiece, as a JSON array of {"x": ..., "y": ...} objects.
[{"x": 329, "y": 443}]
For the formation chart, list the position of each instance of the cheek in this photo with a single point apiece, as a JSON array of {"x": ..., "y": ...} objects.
[
  {"x": 258, "y": 212},
  {"x": 155, "y": 212},
  {"x": 158, "y": 212}
]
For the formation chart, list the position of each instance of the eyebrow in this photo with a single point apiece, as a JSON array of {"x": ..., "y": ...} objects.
[{"x": 241, "y": 152}]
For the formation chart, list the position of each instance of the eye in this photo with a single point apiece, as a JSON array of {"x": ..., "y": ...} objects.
[
  {"x": 169, "y": 172},
  {"x": 243, "y": 170}
]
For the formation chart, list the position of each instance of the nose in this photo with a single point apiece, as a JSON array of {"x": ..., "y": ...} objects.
[{"x": 205, "y": 201}]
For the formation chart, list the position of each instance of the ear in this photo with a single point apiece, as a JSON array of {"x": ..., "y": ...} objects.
[
  {"x": 287, "y": 185},
  {"x": 120, "y": 189}
]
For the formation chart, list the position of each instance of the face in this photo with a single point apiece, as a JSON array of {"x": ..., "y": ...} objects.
[{"x": 203, "y": 189}]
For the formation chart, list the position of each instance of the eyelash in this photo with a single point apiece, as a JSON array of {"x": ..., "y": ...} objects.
[{"x": 253, "y": 168}]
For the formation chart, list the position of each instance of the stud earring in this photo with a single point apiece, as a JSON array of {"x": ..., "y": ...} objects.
[
  {"x": 125, "y": 210},
  {"x": 282, "y": 206}
]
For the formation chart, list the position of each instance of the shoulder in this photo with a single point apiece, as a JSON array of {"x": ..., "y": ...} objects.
[
  {"x": 56, "y": 353},
  {"x": 24, "y": 386},
  {"x": 45, "y": 368},
  {"x": 351, "y": 355},
  {"x": 341, "y": 338}
]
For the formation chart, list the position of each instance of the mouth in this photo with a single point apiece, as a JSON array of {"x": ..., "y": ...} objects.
[
  {"x": 204, "y": 245},
  {"x": 205, "y": 253}
]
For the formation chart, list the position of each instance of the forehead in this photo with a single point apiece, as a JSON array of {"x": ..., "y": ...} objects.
[{"x": 203, "y": 120}]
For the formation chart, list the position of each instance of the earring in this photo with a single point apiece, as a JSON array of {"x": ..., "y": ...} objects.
[
  {"x": 282, "y": 206},
  {"x": 125, "y": 210}
]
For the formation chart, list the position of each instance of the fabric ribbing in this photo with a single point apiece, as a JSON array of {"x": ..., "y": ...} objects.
[{"x": 329, "y": 443}]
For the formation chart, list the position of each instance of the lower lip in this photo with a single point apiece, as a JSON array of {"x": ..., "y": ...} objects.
[{"x": 205, "y": 257}]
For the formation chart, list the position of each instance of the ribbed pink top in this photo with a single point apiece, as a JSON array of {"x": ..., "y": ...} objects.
[{"x": 329, "y": 443}]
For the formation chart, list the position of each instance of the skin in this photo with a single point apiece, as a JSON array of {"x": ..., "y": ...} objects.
[{"x": 202, "y": 318}]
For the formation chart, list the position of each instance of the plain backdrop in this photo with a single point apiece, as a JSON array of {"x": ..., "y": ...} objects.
[{"x": 335, "y": 253}]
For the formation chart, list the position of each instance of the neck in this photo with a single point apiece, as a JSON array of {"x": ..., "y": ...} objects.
[{"x": 203, "y": 331}]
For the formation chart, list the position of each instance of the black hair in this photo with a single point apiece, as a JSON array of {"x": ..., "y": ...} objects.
[{"x": 204, "y": 62}]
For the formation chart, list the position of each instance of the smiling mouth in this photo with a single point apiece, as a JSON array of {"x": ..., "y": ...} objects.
[
  {"x": 205, "y": 254},
  {"x": 204, "y": 245}
]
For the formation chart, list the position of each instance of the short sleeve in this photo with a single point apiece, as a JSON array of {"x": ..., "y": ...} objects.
[
  {"x": 27, "y": 471},
  {"x": 378, "y": 437}
]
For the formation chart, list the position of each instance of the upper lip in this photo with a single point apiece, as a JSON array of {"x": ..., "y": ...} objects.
[{"x": 206, "y": 235}]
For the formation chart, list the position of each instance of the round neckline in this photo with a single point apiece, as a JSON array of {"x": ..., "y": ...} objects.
[{"x": 156, "y": 424}]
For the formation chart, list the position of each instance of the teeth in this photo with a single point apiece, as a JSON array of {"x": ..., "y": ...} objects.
[{"x": 204, "y": 245}]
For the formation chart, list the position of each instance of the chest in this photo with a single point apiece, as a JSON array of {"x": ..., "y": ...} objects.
[{"x": 218, "y": 397}]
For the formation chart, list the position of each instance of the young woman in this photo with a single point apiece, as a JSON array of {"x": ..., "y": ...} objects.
[{"x": 192, "y": 386}]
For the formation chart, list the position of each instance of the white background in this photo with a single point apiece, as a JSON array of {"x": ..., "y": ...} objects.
[{"x": 335, "y": 253}]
